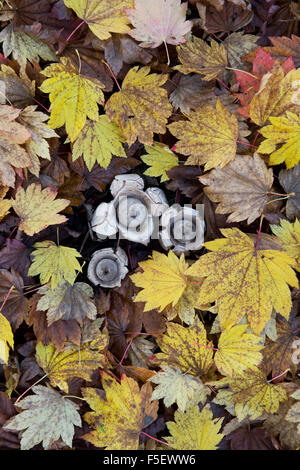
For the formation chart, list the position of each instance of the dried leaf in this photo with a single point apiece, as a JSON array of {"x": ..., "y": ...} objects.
[
  {"x": 6, "y": 338},
  {"x": 141, "y": 107},
  {"x": 208, "y": 137},
  {"x": 290, "y": 181},
  {"x": 124, "y": 403},
  {"x": 241, "y": 188},
  {"x": 47, "y": 417},
  {"x": 160, "y": 159},
  {"x": 37, "y": 209}
]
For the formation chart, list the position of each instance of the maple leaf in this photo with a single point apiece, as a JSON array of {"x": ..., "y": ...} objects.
[
  {"x": 24, "y": 46},
  {"x": 197, "y": 56},
  {"x": 248, "y": 192},
  {"x": 186, "y": 348},
  {"x": 284, "y": 47},
  {"x": 237, "y": 350},
  {"x": 11, "y": 135},
  {"x": 254, "y": 280},
  {"x": 37, "y": 209},
  {"x": 15, "y": 306},
  {"x": 188, "y": 302},
  {"x": 194, "y": 430},
  {"x": 54, "y": 263},
  {"x": 176, "y": 387},
  {"x": 6, "y": 338},
  {"x": 37, "y": 145},
  {"x": 141, "y": 107},
  {"x": 283, "y": 130},
  {"x": 161, "y": 21},
  {"x": 60, "y": 366},
  {"x": 251, "y": 439},
  {"x": 190, "y": 93},
  {"x": 19, "y": 90},
  {"x": 68, "y": 302},
  {"x": 277, "y": 355},
  {"x": 160, "y": 159},
  {"x": 73, "y": 96},
  {"x": 103, "y": 18},
  {"x": 290, "y": 181},
  {"x": 278, "y": 93},
  {"x": 5, "y": 204},
  {"x": 47, "y": 417},
  {"x": 237, "y": 46},
  {"x": 123, "y": 403},
  {"x": 250, "y": 393},
  {"x": 98, "y": 142},
  {"x": 289, "y": 234},
  {"x": 167, "y": 274},
  {"x": 209, "y": 136}
]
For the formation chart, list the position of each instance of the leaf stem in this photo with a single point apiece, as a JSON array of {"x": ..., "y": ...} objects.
[
  {"x": 6, "y": 297},
  {"x": 113, "y": 75},
  {"x": 29, "y": 388},
  {"x": 242, "y": 71},
  {"x": 157, "y": 440},
  {"x": 167, "y": 51},
  {"x": 259, "y": 231},
  {"x": 73, "y": 32}
]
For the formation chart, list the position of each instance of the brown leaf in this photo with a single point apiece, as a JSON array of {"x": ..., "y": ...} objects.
[
  {"x": 290, "y": 181},
  {"x": 57, "y": 169},
  {"x": 58, "y": 333},
  {"x": 99, "y": 177},
  {"x": 230, "y": 18},
  {"x": 185, "y": 179},
  {"x": 8, "y": 439},
  {"x": 15, "y": 307},
  {"x": 284, "y": 47},
  {"x": 241, "y": 188},
  {"x": 251, "y": 439},
  {"x": 15, "y": 255}
]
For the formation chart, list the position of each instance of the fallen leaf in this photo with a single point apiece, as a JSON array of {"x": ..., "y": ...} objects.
[
  {"x": 289, "y": 234},
  {"x": 77, "y": 362},
  {"x": 167, "y": 274},
  {"x": 194, "y": 430},
  {"x": 208, "y": 137},
  {"x": 124, "y": 403},
  {"x": 19, "y": 90},
  {"x": 283, "y": 130},
  {"x": 290, "y": 181},
  {"x": 15, "y": 255},
  {"x": 198, "y": 57},
  {"x": 37, "y": 209},
  {"x": 24, "y": 46},
  {"x": 67, "y": 302},
  {"x": 73, "y": 96},
  {"x": 160, "y": 159},
  {"x": 284, "y": 47},
  {"x": 248, "y": 192},
  {"x": 103, "y": 18},
  {"x": 98, "y": 142},
  {"x": 237, "y": 350},
  {"x": 162, "y": 21},
  {"x": 277, "y": 424},
  {"x": 176, "y": 387},
  {"x": 237, "y": 46},
  {"x": 6, "y": 339},
  {"x": 251, "y": 394},
  {"x": 15, "y": 307},
  {"x": 141, "y": 107},
  {"x": 47, "y": 417},
  {"x": 252, "y": 279},
  {"x": 190, "y": 93},
  {"x": 251, "y": 439},
  {"x": 186, "y": 348}
]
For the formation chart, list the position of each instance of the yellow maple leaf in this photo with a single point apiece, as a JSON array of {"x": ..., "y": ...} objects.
[
  {"x": 103, "y": 18},
  {"x": 55, "y": 263},
  {"x": 163, "y": 280},
  {"x": 141, "y": 107},
  {"x": 6, "y": 338},
  {"x": 277, "y": 94},
  {"x": 98, "y": 142},
  {"x": 195, "y": 430},
  {"x": 245, "y": 280},
  {"x": 283, "y": 130},
  {"x": 73, "y": 96},
  {"x": 77, "y": 362},
  {"x": 250, "y": 393},
  {"x": 237, "y": 350},
  {"x": 37, "y": 209},
  {"x": 160, "y": 159},
  {"x": 197, "y": 56},
  {"x": 209, "y": 136},
  {"x": 119, "y": 418},
  {"x": 289, "y": 234},
  {"x": 186, "y": 348}
]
